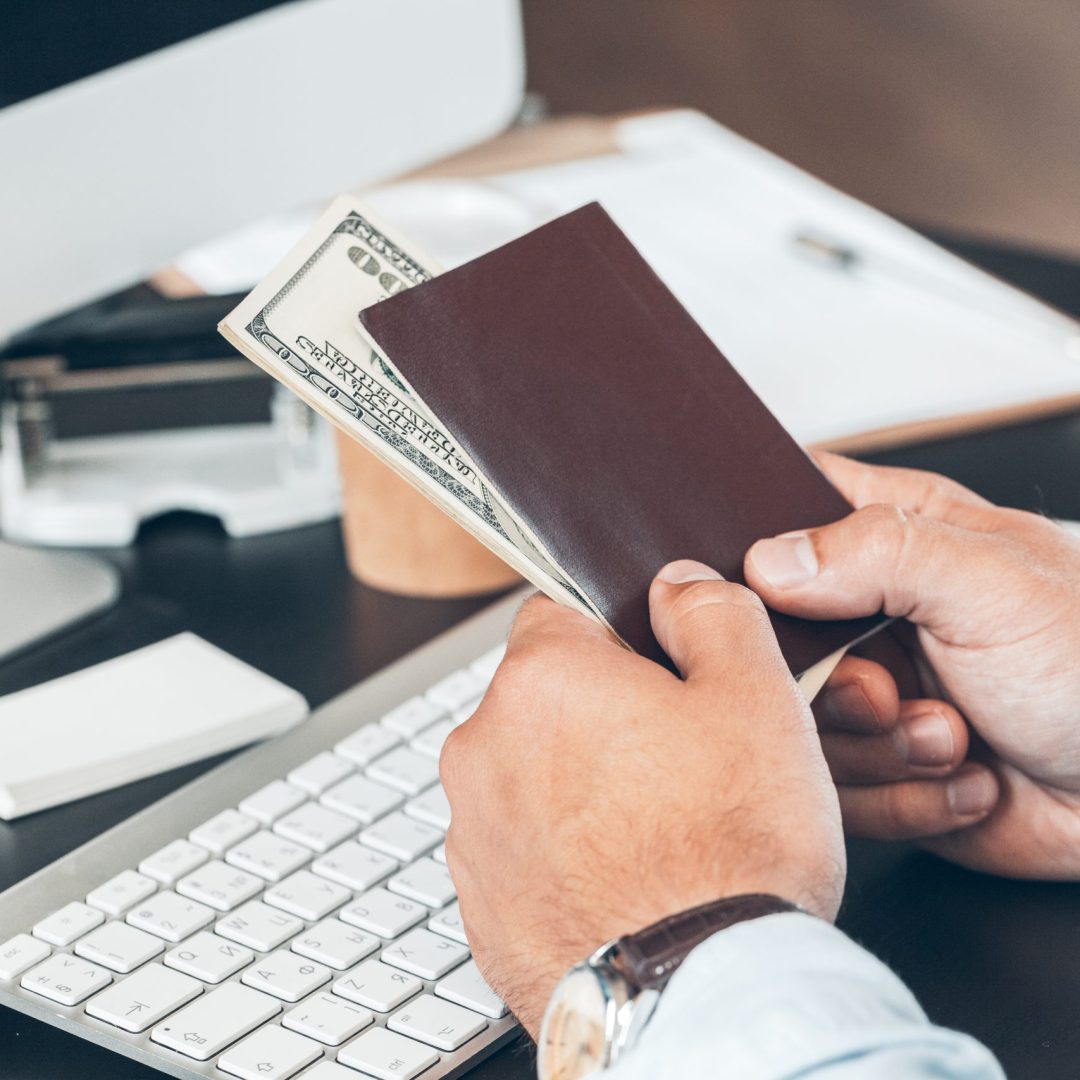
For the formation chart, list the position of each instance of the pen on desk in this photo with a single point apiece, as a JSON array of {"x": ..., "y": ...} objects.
[{"x": 830, "y": 251}]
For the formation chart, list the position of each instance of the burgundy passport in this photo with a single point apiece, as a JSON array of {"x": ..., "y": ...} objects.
[{"x": 607, "y": 420}]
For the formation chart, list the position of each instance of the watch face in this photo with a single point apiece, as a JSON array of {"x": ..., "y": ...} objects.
[{"x": 574, "y": 1037}]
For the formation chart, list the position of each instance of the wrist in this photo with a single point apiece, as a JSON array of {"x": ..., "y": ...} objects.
[{"x": 601, "y": 1006}]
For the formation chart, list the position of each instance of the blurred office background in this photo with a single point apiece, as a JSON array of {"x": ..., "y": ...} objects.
[
  {"x": 961, "y": 116},
  {"x": 957, "y": 116}
]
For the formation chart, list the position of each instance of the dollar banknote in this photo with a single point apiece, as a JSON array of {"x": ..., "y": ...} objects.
[{"x": 301, "y": 325}]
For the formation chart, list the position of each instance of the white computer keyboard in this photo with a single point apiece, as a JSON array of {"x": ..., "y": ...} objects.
[{"x": 309, "y": 928}]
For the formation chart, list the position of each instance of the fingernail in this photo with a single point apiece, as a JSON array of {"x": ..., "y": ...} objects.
[
  {"x": 684, "y": 570},
  {"x": 785, "y": 561},
  {"x": 926, "y": 740},
  {"x": 972, "y": 793},
  {"x": 847, "y": 705}
]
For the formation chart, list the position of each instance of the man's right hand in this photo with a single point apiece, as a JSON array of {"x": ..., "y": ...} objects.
[{"x": 985, "y": 768}]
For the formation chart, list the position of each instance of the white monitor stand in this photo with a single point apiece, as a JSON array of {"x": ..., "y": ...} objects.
[
  {"x": 42, "y": 592},
  {"x": 122, "y": 170}
]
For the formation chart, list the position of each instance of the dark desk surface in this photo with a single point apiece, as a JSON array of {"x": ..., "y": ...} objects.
[{"x": 995, "y": 958}]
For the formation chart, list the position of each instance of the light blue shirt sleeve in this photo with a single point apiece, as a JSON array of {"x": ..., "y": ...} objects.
[{"x": 789, "y": 996}]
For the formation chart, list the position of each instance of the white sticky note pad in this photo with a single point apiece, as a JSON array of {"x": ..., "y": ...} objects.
[{"x": 167, "y": 704}]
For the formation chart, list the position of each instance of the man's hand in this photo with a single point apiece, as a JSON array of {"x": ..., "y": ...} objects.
[
  {"x": 985, "y": 768},
  {"x": 593, "y": 792}
]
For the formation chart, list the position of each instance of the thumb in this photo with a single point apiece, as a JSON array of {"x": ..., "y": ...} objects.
[
  {"x": 710, "y": 627},
  {"x": 879, "y": 558}
]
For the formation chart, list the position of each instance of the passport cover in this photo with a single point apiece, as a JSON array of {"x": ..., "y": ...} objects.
[{"x": 607, "y": 420}]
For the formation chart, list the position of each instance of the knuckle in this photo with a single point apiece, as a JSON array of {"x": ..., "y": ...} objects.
[
  {"x": 702, "y": 594},
  {"x": 451, "y": 758}
]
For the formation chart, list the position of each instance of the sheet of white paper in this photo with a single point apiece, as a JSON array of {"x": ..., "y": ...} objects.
[
  {"x": 911, "y": 334},
  {"x": 832, "y": 352}
]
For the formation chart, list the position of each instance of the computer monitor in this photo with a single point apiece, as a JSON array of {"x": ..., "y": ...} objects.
[
  {"x": 108, "y": 177},
  {"x": 133, "y": 131}
]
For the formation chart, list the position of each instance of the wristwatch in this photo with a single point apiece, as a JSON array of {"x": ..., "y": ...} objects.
[{"x": 601, "y": 1006}]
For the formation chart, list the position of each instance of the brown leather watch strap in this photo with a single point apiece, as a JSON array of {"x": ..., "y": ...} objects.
[{"x": 651, "y": 956}]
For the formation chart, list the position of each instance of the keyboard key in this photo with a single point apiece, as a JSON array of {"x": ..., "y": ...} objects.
[
  {"x": 306, "y": 895},
  {"x": 206, "y": 1026},
  {"x": 285, "y": 975},
  {"x": 65, "y": 979},
  {"x": 405, "y": 770},
  {"x": 328, "y": 1018},
  {"x": 457, "y": 689},
  {"x": 268, "y": 803},
  {"x": 448, "y": 923},
  {"x": 19, "y": 953},
  {"x": 119, "y": 947},
  {"x": 173, "y": 861},
  {"x": 332, "y": 942},
  {"x": 439, "y": 1023},
  {"x": 377, "y": 986},
  {"x": 258, "y": 926},
  {"x": 271, "y": 1053},
  {"x": 209, "y": 957},
  {"x": 432, "y": 807},
  {"x": 315, "y": 826},
  {"x": 223, "y": 830},
  {"x": 271, "y": 857},
  {"x": 220, "y": 886},
  {"x": 364, "y": 746},
  {"x": 70, "y": 922},
  {"x": 122, "y": 892},
  {"x": 330, "y": 1070},
  {"x": 401, "y": 837},
  {"x": 466, "y": 986},
  {"x": 412, "y": 716},
  {"x": 484, "y": 667},
  {"x": 354, "y": 866},
  {"x": 139, "y": 1002},
  {"x": 381, "y": 912},
  {"x": 439, "y": 854},
  {"x": 320, "y": 772},
  {"x": 387, "y": 1055},
  {"x": 362, "y": 799},
  {"x": 425, "y": 880},
  {"x": 170, "y": 916},
  {"x": 430, "y": 742},
  {"x": 425, "y": 954}
]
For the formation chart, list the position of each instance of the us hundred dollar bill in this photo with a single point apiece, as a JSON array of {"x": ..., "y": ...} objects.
[{"x": 300, "y": 324}]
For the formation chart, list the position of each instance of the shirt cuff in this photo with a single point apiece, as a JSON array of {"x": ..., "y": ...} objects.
[{"x": 789, "y": 996}]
